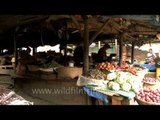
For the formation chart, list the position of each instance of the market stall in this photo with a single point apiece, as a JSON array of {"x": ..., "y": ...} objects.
[{"x": 119, "y": 86}]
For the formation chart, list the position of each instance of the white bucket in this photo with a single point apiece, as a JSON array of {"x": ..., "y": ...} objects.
[{"x": 71, "y": 64}]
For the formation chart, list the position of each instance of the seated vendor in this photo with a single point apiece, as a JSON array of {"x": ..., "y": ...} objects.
[
  {"x": 150, "y": 57},
  {"x": 102, "y": 54},
  {"x": 78, "y": 55}
]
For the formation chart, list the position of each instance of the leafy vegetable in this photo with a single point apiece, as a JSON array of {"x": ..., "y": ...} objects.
[
  {"x": 113, "y": 86},
  {"x": 126, "y": 87}
]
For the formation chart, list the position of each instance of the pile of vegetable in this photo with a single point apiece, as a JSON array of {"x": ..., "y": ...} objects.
[
  {"x": 149, "y": 95},
  {"x": 150, "y": 80},
  {"x": 96, "y": 74},
  {"x": 108, "y": 66},
  {"x": 52, "y": 64},
  {"x": 126, "y": 81},
  {"x": 131, "y": 70}
]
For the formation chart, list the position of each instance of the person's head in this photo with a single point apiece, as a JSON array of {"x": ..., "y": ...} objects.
[
  {"x": 28, "y": 50},
  {"x": 106, "y": 46},
  {"x": 150, "y": 50}
]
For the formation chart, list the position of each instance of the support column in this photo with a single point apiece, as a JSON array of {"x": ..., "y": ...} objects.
[
  {"x": 15, "y": 49},
  {"x": 34, "y": 50},
  {"x": 120, "y": 51},
  {"x": 86, "y": 46},
  {"x": 132, "y": 53}
]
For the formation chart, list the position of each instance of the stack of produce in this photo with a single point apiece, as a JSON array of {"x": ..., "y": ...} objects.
[
  {"x": 130, "y": 69},
  {"x": 52, "y": 64},
  {"x": 150, "y": 80},
  {"x": 148, "y": 96},
  {"x": 125, "y": 81},
  {"x": 96, "y": 74},
  {"x": 108, "y": 66}
]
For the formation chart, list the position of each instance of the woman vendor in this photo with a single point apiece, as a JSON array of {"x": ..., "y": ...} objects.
[
  {"x": 150, "y": 56},
  {"x": 102, "y": 54}
]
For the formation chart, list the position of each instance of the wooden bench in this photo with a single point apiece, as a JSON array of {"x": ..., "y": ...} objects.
[{"x": 6, "y": 67}]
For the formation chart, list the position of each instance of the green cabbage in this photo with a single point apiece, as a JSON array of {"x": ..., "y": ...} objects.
[
  {"x": 126, "y": 87},
  {"x": 113, "y": 86},
  {"x": 111, "y": 76}
]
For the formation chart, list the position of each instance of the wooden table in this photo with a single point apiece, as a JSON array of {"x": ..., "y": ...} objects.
[{"x": 113, "y": 99}]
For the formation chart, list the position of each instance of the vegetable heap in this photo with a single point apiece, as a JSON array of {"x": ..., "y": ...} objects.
[
  {"x": 149, "y": 95},
  {"x": 52, "y": 64},
  {"x": 108, "y": 66},
  {"x": 126, "y": 81},
  {"x": 96, "y": 74}
]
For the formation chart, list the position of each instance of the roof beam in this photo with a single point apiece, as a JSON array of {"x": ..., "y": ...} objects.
[
  {"x": 99, "y": 31},
  {"x": 144, "y": 32},
  {"x": 77, "y": 24}
]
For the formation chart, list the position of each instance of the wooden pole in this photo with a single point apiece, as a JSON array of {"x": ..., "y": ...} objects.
[
  {"x": 86, "y": 46},
  {"x": 116, "y": 47},
  {"x": 132, "y": 53},
  {"x": 34, "y": 50},
  {"x": 15, "y": 49},
  {"x": 120, "y": 51},
  {"x": 99, "y": 44}
]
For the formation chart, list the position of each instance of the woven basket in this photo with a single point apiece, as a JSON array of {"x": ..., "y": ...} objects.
[
  {"x": 141, "y": 102},
  {"x": 69, "y": 72},
  {"x": 33, "y": 68},
  {"x": 47, "y": 71}
]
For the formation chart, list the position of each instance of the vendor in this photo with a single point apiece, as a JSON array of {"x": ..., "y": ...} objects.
[
  {"x": 102, "y": 54},
  {"x": 150, "y": 56},
  {"x": 78, "y": 55}
]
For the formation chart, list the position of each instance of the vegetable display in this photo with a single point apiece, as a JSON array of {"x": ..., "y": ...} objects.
[
  {"x": 127, "y": 81},
  {"x": 52, "y": 64},
  {"x": 113, "y": 86},
  {"x": 150, "y": 80},
  {"x": 96, "y": 74},
  {"x": 149, "y": 95},
  {"x": 108, "y": 66}
]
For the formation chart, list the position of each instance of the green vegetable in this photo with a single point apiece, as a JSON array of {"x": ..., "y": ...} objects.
[
  {"x": 126, "y": 87},
  {"x": 111, "y": 76},
  {"x": 113, "y": 86},
  {"x": 52, "y": 64}
]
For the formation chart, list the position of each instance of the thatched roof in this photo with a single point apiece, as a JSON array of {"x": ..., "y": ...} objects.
[{"x": 35, "y": 30}]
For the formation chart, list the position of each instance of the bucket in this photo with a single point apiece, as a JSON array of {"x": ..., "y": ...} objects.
[{"x": 71, "y": 64}]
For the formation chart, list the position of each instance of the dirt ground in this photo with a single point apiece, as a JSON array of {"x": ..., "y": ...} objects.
[{"x": 51, "y": 92}]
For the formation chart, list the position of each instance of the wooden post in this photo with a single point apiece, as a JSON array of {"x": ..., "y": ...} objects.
[
  {"x": 132, "y": 53},
  {"x": 15, "y": 49},
  {"x": 34, "y": 50},
  {"x": 120, "y": 51},
  {"x": 99, "y": 44},
  {"x": 86, "y": 46},
  {"x": 116, "y": 47}
]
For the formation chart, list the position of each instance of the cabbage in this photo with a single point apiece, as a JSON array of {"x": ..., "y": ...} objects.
[
  {"x": 113, "y": 86},
  {"x": 130, "y": 80},
  {"x": 136, "y": 86},
  {"x": 111, "y": 76},
  {"x": 121, "y": 77},
  {"x": 126, "y": 87},
  {"x": 120, "y": 80}
]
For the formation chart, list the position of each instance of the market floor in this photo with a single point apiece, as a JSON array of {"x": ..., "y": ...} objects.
[
  {"x": 62, "y": 92},
  {"x": 36, "y": 101}
]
